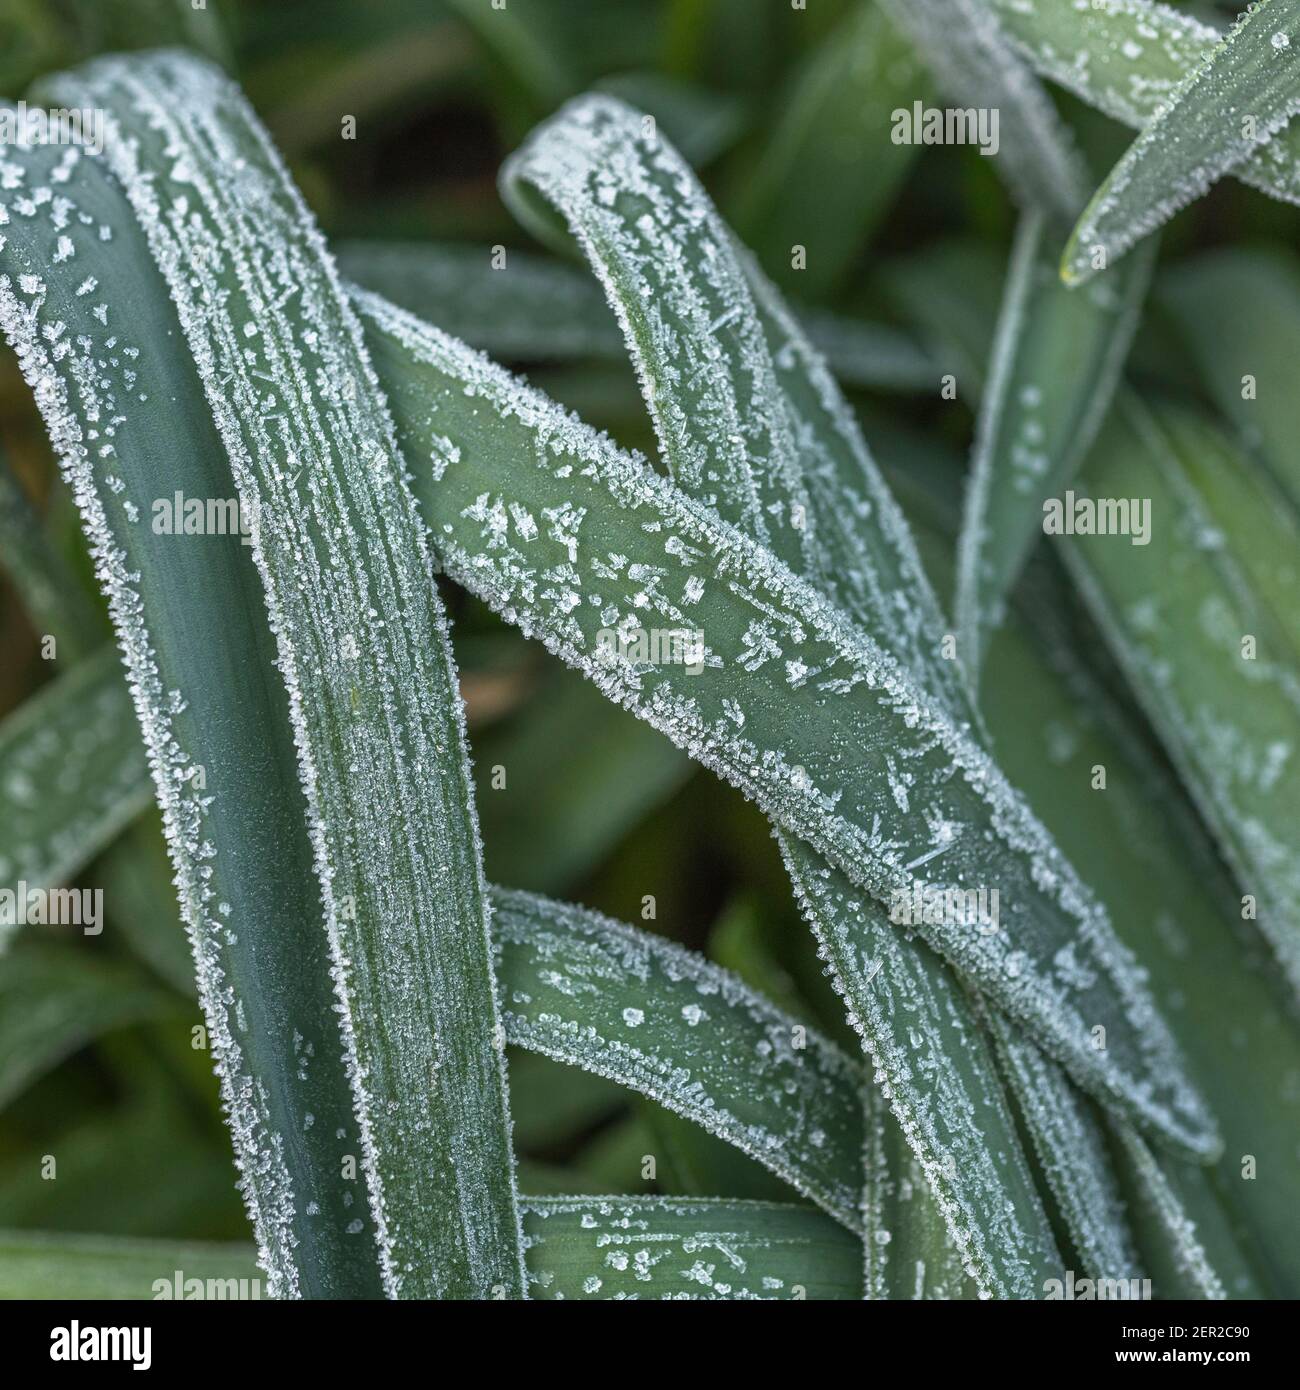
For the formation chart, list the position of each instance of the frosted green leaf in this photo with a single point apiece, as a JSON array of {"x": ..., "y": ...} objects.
[
  {"x": 595, "y": 168},
  {"x": 975, "y": 66},
  {"x": 1071, "y": 1150},
  {"x": 686, "y": 1248},
  {"x": 1206, "y": 646},
  {"x": 908, "y": 1249},
  {"x": 749, "y": 420},
  {"x": 376, "y": 715},
  {"x": 1054, "y": 716},
  {"x": 279, "y": 358},
  {"x": 578, "y": 1247},
  {"x": 664, "y": 1021},
  {"x": 933, "y": 1065},
  {"x": 1243, "y": 93},
  {"x": 1129, "y": 58},
  {"x": 1183, "y": 1268},
  {"x": 786, "y": 689},
  {"x": 1055, "y": 363},
  {"x": 197, "y": 710}
]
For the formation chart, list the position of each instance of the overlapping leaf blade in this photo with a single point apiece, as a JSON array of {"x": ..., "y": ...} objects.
[
  {"x": 578, "y": 1247},
  {"x": 1128, "y": 58},
  {"x": 1204, "y": 643},
  {"x": 623, "y": 262},
  {"x": 1055, "y": 363},
  {"x": 362, "y": 694},
  {"x": 974, "y": 64},
  {"x": 1055, "y": 718},
  {"x": 680, "y": 1247},
  {"x": 1237, "y": 99},
  {"x": 180, "y": 446},
  {"x": 633, "y": 1007},
  {"x": 535, "y": 309}
]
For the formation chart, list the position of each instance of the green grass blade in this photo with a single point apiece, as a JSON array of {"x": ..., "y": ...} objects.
[
  {"x": 840, "y": 107},
  {"x": 538, "y": 309},
  {"x": 294, "y": 1178},
  {"x": 1182, "y": 1267},
  {"x": 1066, "y": 1139},
  {"x": 223, "y": 719},
  {"x": 46, "y": 1265},
  {"x": 635, "y": 209},
  {"x": 975, "y": 66},
  {"x": 571, "y": 978},
  {"x": 749, "y": 714},
  {"x": 639, "y": 1010},
  {"x": 1130, "y": 58},
  {"x": 680, "y": 1247},
  {"x": 55, "y": 998},
  {"x": 1243, "y": 93},
  {"x": 1056, "y": 360},
  {"x": 1071, "y": 1150},
  {"x": 1206, "y": 646},
  {"x": 72, "y": 776},
  {"x": 748, "y": 419},
  {"x": 578, "y": 1247},
  {"x": 1055, "y": 718},
  {"x": 375, "y": 711},
  {"x": 1238, "y": 313},
  {"x": 908, "y": 1248},
  {"x": 935, "y": 1067}
]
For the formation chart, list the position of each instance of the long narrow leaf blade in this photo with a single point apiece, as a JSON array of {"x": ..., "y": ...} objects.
[
  {"x": 376, "y": 714},
  {"x": 975, "y": 66},
  {"x": 1129, "y": 58},
  {"x": 1055, "y": 718},
  {"x": 193, "y": 734},
  {"x": 343, "y": 435},
  {"x": 1245, "y": 91},
  {"x": 1056, "y": 361},
  {"x": 1214, "y": 661},
  {"x": 680, "y": 1247},
  {"x": 578, "y": 1247},
  {"x": 785, "y": 683},
  {"x": 641, "y": 1011},
  {"x": 537, "y": 309}
]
